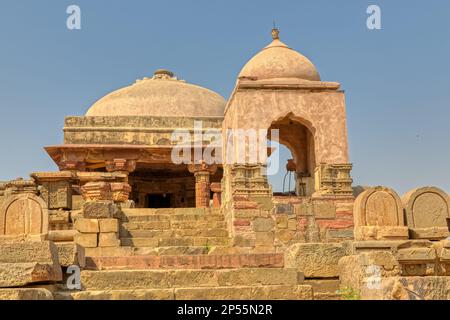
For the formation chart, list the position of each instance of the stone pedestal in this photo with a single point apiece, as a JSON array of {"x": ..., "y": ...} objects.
[{"x": 55, "y": 188}]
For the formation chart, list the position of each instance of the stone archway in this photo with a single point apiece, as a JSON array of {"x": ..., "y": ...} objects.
[{"x": 298, "y": 137}]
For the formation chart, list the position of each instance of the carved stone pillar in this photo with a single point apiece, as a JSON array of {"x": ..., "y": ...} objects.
[{"x": 202, "y": 173}]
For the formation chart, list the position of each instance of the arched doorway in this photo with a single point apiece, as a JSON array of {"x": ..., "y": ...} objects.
[{"x": 297, "y": 137}]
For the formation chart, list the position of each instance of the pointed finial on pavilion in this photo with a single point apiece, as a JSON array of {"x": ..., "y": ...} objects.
[{"x": 275, "y": 32}]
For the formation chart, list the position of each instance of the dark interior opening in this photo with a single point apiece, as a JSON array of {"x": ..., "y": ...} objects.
[{"x": 159, "y": 201}]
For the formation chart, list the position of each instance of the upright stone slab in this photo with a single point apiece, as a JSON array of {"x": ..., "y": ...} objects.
[
  {"x": 378, "y": 215},
  {"x": 426, "y": 211},
  {"x": 23, "y": 213}
]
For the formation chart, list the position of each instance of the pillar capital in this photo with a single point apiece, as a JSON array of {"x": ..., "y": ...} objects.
[
  {"x": 122, "y": 165},
  {"x": 202, "y": 167}
]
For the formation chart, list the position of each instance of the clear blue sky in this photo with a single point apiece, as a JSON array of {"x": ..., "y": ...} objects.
[{"x": 397, "y": 80}]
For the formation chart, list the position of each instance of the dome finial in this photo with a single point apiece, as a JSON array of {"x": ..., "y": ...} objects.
[{"x": 275, "y": 32}]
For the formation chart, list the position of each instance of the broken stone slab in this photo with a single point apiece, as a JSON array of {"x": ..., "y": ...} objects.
[
  {"x": 27, "y": 262},
  {"x": 409, "y": 288},
  {"x": 28, "y": 251},
  {"x": 416, "y": 255},
  {"x": 315, "y": 260},
  {"x": 417, "y": 261},
  {"x": 367, "y": 268},
  {"x": 22, "y": 274},
  {"x": 25, "y": 294}
]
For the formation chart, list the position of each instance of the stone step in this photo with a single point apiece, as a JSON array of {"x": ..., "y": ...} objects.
[
  {"x": 272, "y": 292},
  {"x": 207, "y": 232},
  {"x": 176, "y": 218},
  {"x": 227, "y": 261},
  {"x": 173, "y": 225},
  {"x": 176, "y": 242},
  {"x": 136, "y": 251},
  {"x": 170, "y": 211},
  {"x": 160, "y": 279}
]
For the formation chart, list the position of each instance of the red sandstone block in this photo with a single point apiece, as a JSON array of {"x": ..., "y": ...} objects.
[
  {"x": 241, "y": 223},
  {"x": 335, "y": 224},
  {"x": 344, "y": 215}
]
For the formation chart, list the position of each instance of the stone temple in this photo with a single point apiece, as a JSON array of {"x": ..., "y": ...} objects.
[{"x": 124, "y": 219}]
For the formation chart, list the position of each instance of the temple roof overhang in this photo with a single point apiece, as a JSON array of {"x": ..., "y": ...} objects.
[{"x": 95, "y": 156}]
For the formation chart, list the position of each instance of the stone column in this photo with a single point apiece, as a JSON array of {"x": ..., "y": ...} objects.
[
  {"x": 202, "y": 172},
  {"x": 217, "y": 196},
  {"x": 123, "y": 167}
]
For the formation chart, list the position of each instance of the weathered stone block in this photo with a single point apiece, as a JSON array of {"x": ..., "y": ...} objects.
[
  {"x": 299, "y": 292},
  {"x": 21, "y": 274},
  {"x": 315, "y": 260},
  {"x": 409, "y": 288},
  {"x": 71, "y": 254},
  {"x": 140, "y": 294},
  {"x": 282, "y": 221},
  {"x": 99, "y": 209},
  {"x": 367, "y": 268},
  {"x": 244, "y": 239},
  {"x": 264, "y": 239},
  {"x": 262, "y": 224},
  {"x": 27, "y": 262},
  {"x": 25, "y": 294},
  {"x": 87, "y": 225},
  {"x": 87, "y": 240},
  {"x": 109, "y": 239},
  {"x": 108, "y": 225},
  {"x": 324, "y": 209}
]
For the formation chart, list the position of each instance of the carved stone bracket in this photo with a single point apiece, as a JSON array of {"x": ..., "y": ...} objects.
[
  {"x": 121, "y": 165},
  {"x": 67, "y": 165}
]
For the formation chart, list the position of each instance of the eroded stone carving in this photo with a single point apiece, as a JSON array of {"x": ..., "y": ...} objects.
[
  {"x": 426, "y": 210},
  {"x": 378, "y": 214},
  {"x": 23, "y": 213}
]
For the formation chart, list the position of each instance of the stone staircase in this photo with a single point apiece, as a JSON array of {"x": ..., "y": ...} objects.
[
  {"x": 184, "y": 254},
  {"x": 194, "y": 284},
  {"x": 194, "y": 229}
]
